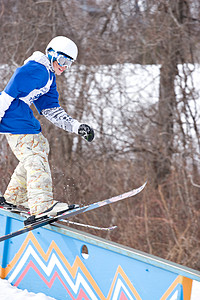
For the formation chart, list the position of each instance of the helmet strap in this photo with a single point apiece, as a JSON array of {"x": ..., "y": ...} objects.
[
  {"x": 51, "y": 63},
  {"x": 51, "y": 60}
]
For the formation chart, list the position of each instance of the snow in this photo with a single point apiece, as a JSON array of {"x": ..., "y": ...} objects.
[
  {"x": 114, "y": 94},
  {"x": 9, "y": 292},
  {"x": 195, "y": 290}
]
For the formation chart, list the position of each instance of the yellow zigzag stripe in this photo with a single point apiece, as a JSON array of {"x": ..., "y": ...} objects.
[
  {"x": 186, "y": 282},
  {"x": 187, "y": 287},
  {"x": 72, "y": 269}
]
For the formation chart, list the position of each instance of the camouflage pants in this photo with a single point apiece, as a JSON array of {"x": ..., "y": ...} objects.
[{"x": 31, "y": 183}]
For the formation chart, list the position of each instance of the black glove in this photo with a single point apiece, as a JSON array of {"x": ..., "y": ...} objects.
[{"x": 86, "y": 131}]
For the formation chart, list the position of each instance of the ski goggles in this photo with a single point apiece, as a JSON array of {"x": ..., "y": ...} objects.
[{"x": 64, "y": 61}]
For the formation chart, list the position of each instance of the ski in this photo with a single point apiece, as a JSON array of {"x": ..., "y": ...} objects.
[
  {"x": 17, "y": 210},
  {"x": 49, "y": 220},
  {"x": 86, "y": 225}
]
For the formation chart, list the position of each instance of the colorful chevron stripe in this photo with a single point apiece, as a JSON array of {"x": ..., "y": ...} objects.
[{"x": 76, "y": 279}]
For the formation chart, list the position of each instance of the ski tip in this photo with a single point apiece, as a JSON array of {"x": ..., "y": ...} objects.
[
  {"x": 145, "y": 183},
  {"x": 142, "y": 187},
  {"x": 138, "y": 190}
]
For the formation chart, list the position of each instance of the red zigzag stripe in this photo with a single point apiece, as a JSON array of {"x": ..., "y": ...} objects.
[{"x": 81, "y": 294}]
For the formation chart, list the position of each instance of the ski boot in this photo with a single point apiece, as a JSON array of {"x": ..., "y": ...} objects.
[
  {"x": 58, "y": 208},
  {"x": 6, "y": 205}
]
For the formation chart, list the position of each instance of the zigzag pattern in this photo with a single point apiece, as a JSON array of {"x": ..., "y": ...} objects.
[
  {"x": 76, "y": 279},
  {"x": 48, "y": 270}
]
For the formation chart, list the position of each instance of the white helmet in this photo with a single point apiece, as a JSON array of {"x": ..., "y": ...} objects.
[{"x": 61, "y": 47}]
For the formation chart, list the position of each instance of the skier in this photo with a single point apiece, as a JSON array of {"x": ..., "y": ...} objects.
[{"x": 35, "y": 82}]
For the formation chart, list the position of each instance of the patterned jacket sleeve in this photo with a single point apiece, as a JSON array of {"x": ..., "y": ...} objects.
[{"x": 60, "y": 118}]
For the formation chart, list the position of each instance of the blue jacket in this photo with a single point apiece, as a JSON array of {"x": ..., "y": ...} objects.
[{"x": 34, "y": 82}]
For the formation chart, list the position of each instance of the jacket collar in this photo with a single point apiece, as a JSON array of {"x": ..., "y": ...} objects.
[{"x": 40, "y": 58}]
